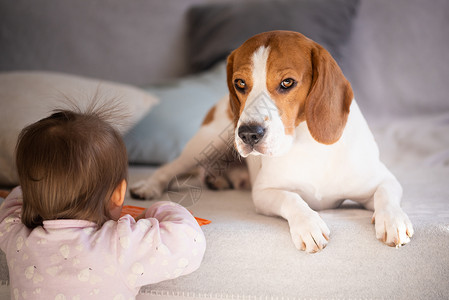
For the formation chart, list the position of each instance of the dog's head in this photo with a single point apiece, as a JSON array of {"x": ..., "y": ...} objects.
[{"x": 279, "y": 79}]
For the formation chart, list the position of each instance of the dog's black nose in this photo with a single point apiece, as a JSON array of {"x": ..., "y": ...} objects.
[{"x": 251, "y": 134}]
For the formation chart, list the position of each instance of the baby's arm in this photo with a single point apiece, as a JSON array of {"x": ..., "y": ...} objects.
[
  {"x": 166, "y": 244},
  {"x": 10, "y": 214}
]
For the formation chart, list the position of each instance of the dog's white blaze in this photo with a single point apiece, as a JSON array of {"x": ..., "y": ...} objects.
[
  {"x": 259, "y": 74},
  {"x": 251, "y": 112}
]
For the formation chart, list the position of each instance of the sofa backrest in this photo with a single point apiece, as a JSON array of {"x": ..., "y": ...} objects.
[{"x": 396, "y": 58}]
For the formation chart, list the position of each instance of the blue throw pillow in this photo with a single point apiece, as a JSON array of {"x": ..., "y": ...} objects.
[{"x": 162, "y": 134}]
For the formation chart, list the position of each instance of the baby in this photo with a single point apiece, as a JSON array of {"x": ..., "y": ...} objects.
[{"x": 61, "y": 230}]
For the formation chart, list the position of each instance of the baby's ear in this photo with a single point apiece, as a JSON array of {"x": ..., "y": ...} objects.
[{"x": 118, "y": 196}]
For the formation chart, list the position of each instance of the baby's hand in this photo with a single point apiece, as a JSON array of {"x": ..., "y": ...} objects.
[{"x": 141, "y": 216}]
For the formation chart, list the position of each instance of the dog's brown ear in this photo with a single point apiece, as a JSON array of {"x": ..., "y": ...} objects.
[
  {"x": 233, "y": 99},
  {"x": 330, "y": 96}
]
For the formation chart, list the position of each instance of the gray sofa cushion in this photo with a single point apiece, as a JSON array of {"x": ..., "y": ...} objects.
[
  {"x": 217, "y": 29},
  {"x": 133, "y": 41}
]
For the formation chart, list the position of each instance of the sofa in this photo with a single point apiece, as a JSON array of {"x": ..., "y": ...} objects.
[{"x": 166, "y": 62}]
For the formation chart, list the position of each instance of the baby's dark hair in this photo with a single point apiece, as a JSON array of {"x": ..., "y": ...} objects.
[{"x": 69, "y": 164}]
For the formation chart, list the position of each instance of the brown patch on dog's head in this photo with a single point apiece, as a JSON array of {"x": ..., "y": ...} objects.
[{"x": 234, "y": 101}]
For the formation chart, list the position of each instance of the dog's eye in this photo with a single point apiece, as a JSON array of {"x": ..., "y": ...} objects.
[
  {"x": 240, "y": 84},
  {"x": 287, "y": 83}
]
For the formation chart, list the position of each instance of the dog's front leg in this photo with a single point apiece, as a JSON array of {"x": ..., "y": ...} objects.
[
  {"x": 393, "y": 227},
  {"x": 308, "y": 230},
  {"x": 156, "y": 184}
]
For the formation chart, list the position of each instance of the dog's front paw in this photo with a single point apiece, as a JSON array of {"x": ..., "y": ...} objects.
[
  {"x": 393, "y": 227},
  {"x": 309, "y": 233},
  {"x": 146, "y": 189}
]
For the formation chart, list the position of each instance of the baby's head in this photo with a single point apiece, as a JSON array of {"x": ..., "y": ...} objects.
[{"x": 71, "y": 165}]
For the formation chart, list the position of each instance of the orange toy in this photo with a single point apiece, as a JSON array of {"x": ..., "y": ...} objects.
[
  {"x": 4, "y": 193},
  {"x": 134, "y": 211}
]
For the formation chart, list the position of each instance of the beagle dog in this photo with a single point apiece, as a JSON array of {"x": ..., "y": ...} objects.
[{"x": 292, "y": 116}]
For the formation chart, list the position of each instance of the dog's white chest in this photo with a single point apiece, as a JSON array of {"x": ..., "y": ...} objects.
[
  {"x": 323, "y": 175},
  {"x": 308, "y": 173}
]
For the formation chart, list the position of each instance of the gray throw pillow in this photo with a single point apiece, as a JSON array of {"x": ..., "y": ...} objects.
[{"x": 217, "y": 29}]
